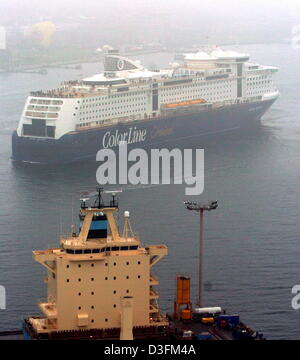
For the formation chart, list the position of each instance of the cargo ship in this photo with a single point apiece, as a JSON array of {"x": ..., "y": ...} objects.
[
  {"x": 101, "y": 286},
  {"x": 208, "y": 93}
]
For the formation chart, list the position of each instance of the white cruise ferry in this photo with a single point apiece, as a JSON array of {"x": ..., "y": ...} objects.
[{"x": 210, "y": 92}]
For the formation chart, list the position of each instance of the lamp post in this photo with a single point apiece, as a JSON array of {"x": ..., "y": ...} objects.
[{"x": 201, "y": 207}]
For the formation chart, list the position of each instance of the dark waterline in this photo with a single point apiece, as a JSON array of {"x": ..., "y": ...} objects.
[{"x": 251, "y": 251}]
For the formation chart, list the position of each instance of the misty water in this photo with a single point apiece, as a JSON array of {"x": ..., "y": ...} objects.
[{"x": 252, "y": 256}]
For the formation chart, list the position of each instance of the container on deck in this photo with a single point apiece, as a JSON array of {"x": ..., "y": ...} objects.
[
  {"x": 207, "y": 320},
  {"x": 186, "y": 314},
  {"x": 228, "y": 321},
  {"x": 187, "y": 335},
  {"x": 204, "y": 336},
  {"x": 208, "y": 310}
]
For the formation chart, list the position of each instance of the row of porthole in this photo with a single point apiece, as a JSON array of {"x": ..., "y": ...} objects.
[
  {"x": 106, "y": 278},
  {"x": 127, "y": 113},
  {"x": 79, "y": 265},
  {"x": 67, "y": 266},
  {"x": 102, "y": 105},
  {"x": 106, "y": 264},
  {"x": 93, "y": 307},
  {"x": 127, "y": 277},
  {"x": 94, "y": 98},
  {"x": 92, "y": 320},
  {"x": 127, "y": 263},
  {"x": 115, "y": 291}
]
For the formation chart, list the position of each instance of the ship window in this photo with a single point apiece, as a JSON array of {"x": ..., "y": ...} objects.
[
  {"x": 115, "y": 278},
  {"x": 79, "y": 280},
  {"x": 133, "y": 247},
  {"x": 92, "y": 265},
  {"x": 115, "y": 291},
  {"x": 88, "y": 251},
  {"x": 115, "y": 305},
  {"x": 79, "y": 294},
  {"x": 127, "y": 291},
  {"x": 127, "y": 263},
  {"x": 68, "y": 266},
  {"x": 92, "y": 293},
  {"x": 139, "y": 276},
  {"x": 38, "y": 128},
  {"x": 107, "y": 249},
  {"x": 92, "y": 279},
  {"x": 78, "y": 251},
  {"x": 139, "y": 262},
  {"x": 115, "y": 264},
  {"x": 79, "y": 265},
  {"x": 115, "y": 248},
  {"x": 106, "y": 320},
  {"x": 103, "y": 249},
  {"x": 92, "y": 321},
  {"x": 46, "y": 102},
  {"x": 127, "y": 277},
  {"x": 57, "y": 102},
  {"x": 68, "y": 280},
  {"x": 92, "y": 307},
  {"x": 106, "y": 278},
  {"x": 79, "y": 307}
]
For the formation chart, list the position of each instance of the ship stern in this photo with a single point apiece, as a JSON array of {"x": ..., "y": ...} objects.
[{"x": 34, "y": 150}]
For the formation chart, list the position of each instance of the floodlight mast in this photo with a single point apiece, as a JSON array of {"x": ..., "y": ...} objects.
[{"x": 201, "y": 207}]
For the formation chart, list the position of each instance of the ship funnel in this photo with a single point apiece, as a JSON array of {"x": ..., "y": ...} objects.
[{"x": 114, "y": 62}]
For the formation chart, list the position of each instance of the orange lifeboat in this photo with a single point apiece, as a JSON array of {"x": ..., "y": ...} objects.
[{"x": 185, "y": 103}]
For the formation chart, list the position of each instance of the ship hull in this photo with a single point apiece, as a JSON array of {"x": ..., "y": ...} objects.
[{"x": 151, "y": 133}]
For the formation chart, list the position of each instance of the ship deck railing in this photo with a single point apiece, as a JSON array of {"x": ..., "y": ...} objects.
[
  {"x": 153, "y": 280},
  {"x": 154, "y": 294},
  {"x": 42, "y": 325},
  {"x": 48, "y": 308}
]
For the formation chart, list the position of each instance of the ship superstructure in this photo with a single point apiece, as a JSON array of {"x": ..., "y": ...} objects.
[
  {"x": 101, "y": 286},
  {"x": 130, "y": 103},
  {"x": 99, "y": 282}
]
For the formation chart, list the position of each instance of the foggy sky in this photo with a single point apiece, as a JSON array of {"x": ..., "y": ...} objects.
[
  {"x": 248, "y": 9},
  {"x": 159, "y": 20}
]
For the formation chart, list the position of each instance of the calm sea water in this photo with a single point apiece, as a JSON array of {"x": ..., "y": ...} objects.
[{"x": 252, "y": 252}]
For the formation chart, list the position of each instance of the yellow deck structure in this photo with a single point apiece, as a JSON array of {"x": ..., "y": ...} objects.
[{"x": 99, "y": 283}]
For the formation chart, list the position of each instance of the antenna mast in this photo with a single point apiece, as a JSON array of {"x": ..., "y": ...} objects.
[
  {"x": 100, "y": 200},
  {"x": 127, "y": 231}
]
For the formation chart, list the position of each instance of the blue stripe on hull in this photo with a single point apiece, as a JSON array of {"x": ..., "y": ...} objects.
[{"x": 159, "y": 133}]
